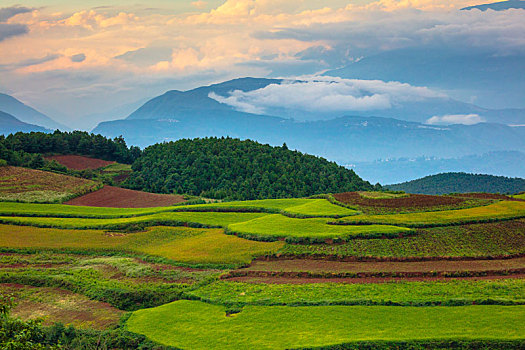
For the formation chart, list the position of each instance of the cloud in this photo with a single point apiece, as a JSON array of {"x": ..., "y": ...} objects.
[
  {"x": 11, "y": 30},
  {"x": 326, "y": 94},
  {"x": 199, "y": 4},
  {"x": 8, "y": 12},
  {"x": 78, "y": 58},
  {"x": 147, "y": 55},
  {"x": 465, "y": 119}
]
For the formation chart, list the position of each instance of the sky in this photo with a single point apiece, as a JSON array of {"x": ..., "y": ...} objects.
[{"x": 74, "y": 60}]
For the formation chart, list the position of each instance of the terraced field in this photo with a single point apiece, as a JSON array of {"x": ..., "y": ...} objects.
[
  {"x": 29, "y": 185},
  {"x": 276, "y": 274}
]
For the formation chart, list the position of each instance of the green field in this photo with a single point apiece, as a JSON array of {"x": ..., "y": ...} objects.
[
  {"x": 197, "y": 325},
  {"x": 454, "y": 292},
  {"x": 174, "y": 258},
  {"x": 274, "y": 226},
  {"x": 498, "y": 211}
]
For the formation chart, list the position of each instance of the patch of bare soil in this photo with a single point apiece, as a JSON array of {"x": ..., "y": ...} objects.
[
  {"x": 80, "y": 162},
  {"x": 116, "y": 197},
  {"x": 411, "y": 201},
  {"x": 58, "y": 305}
]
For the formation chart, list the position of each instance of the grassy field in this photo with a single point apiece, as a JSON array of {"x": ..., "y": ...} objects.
[
  {"x": 204, "y": 219},
  {"x": 29, "y": 185},
  {"x": 274, "y": 226},
  {"x": 519, "y": 196},
  {"x": 125, "y": 283},
  {"x": 454, "y": 292},
  {"x": 178, "y": 244},
  {"x": 493, "y": 212},
  {"x": 197, "y": 325},
  {"x": 493, "y": 239}
]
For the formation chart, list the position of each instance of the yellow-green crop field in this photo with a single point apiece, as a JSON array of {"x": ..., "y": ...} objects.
[{"x": 498, "y": 211}]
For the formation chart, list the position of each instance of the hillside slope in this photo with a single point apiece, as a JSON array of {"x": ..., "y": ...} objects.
[
  {"x": 235, "y": 169},
  {"x": 10, "y": 125},
  {"x": 461, "y": 183},
  {"x": 27, "y": 114}
]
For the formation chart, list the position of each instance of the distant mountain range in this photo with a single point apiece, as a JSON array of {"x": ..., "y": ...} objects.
[
  {"x": 391, "y": 171},
  {"x": 9, "y": 124},
  {"x": 499, "y": 6},
  {"x": 26, "y": 114},
  {"x": 180, "y": 104},
  {"x": 461, "y": 183}
]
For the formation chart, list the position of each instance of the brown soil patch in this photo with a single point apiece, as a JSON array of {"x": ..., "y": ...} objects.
[
  {"x": 80, "y": 162},
  {"x": 411, "y": 201},
  {"x": 292, "y": 280},
  {"x": 488, "y": 196},
  {"x": 326, "y": 266},
  {"x": 117, "y": 197},
  {"x": 58, "y": 305}
]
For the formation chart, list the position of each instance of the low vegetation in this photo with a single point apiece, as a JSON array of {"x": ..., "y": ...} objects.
[
  {"x": 479, "y": 240},
  {"x": 455, "y": 292},
  {"x": 502, "y": 210},
  {"x": 272, "y": 227},
  {"x": 198, "y": 325},
  {"x": 197, "y": 247}
]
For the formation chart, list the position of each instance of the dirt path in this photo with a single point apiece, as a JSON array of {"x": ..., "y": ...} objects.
[{"x": 117, "y": 197}]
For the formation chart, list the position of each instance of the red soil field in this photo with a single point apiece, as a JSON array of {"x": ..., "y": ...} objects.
[
  {"x": 488, "y": 196},
  {"x": 116, "y": 197},
  {"x": 412, "y": 201},
  {"x": 80, "y": 162},
  {"x": 308, "y": 265}
]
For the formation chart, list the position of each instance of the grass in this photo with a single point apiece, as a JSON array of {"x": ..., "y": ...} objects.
[
  {"x": 478, "y": 240},
  {"x": 454, "y": 292},
  {"x": 298, "y": 207},
  {"x": 498, "y": 211},
  {"x": 301, "y": 207},
  {"x": 201, "y": 219},
  {"x": 60, "y": 210},
  {"x": 519, "y": 196},
  {"x": 272, "y": 227},
  {"x": 197, "y": 325},
  {"x": 177, "y": 244},
  {"x": 125, "y": 283},
  {"x": 57, "y": 305}
]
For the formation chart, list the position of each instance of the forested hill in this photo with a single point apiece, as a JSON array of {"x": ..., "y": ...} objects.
[
  {"x": 234, "y": 169},
  {"x": 461, "y": 183}
]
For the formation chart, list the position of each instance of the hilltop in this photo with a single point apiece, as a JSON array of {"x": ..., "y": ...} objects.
[{"x": 461, "y": 183}]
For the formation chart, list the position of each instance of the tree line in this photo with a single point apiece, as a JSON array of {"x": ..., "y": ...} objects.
[
  {"x": 26, "y": 149},
  {"x": 228, "y": 168}
]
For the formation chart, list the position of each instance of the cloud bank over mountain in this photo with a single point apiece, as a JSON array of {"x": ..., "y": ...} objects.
[{"x": 118, "y": 52}]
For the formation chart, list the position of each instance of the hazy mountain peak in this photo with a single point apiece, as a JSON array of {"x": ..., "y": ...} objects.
[
  {"x": 27, "y": 114},
  {"x": 499, "y": 6}
]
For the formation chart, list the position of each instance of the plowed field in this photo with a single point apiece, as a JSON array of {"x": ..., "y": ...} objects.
[
  {"x": 80, "y": 162},
  {"x": 117, "y": 197}
]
